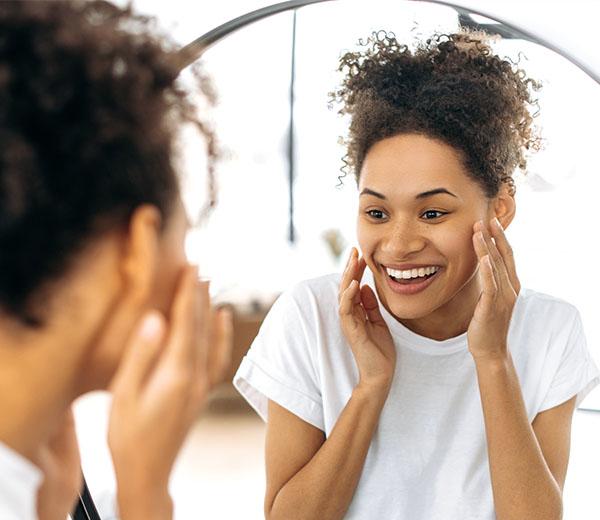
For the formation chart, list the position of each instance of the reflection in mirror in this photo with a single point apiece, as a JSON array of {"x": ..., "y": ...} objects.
[
  {"x": 322, "y": 209},
  {"x": 254, "y": 259}
]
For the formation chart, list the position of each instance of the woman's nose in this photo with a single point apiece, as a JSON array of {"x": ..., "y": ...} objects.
[{"x": 403, "y": 241}]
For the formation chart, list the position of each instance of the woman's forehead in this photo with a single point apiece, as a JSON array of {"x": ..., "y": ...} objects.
[
  {"x": 406, "y": 168},
  {"x": 412, "y": 155}
]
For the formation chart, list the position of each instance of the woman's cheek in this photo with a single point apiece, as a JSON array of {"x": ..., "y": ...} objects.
[
  {"x": 366, "y": 243},
  {"x": 462, "y": 247}
]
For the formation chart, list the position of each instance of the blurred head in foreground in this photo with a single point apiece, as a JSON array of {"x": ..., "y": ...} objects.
[{"x": 91, "y": 222}]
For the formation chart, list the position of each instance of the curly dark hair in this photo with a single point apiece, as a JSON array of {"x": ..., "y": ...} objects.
[
  {"x": 451, "y": 87},
  {"x": 89, "y": 110}
]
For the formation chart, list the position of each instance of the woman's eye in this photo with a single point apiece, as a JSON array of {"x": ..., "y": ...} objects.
[
  {"x": 433, "y": 214},
  {"x": 377, "y": 214}
]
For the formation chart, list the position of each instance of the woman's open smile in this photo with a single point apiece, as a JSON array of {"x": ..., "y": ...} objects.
[{"x": 410, "y": 279}]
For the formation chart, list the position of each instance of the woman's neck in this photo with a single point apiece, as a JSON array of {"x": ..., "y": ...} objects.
[{"x": 32, "y": 396}]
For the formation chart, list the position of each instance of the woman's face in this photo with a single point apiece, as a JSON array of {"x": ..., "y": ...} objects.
[{"x": 417, "y": 207}]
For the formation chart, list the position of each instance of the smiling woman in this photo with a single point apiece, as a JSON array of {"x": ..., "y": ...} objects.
[{"x": 441, "y": 388}]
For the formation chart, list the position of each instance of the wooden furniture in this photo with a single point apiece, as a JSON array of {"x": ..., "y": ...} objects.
[{"x": 246, "y": 324}]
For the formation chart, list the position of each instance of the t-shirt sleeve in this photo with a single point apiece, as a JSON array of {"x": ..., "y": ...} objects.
[
  {"x": 280, "y": 363},
  {"x": 577, "y": 374}
]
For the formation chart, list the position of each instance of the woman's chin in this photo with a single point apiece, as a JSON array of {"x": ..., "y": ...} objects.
[
  {"x": 402, "y": 308},
  {"x": 406, "y": 312},
  {"x": 406, "y": 306}
]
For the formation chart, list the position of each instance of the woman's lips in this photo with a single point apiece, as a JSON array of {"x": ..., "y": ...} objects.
[{"x": 412, "y": 287}]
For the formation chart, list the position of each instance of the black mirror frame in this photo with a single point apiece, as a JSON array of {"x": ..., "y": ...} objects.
[{"x": 194, "y": 50}]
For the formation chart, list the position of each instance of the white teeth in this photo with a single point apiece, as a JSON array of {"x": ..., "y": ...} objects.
[{"x": 411, "y": 273}]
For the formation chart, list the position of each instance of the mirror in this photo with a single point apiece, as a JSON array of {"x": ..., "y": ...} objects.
[{"x": 266, "y": 236}]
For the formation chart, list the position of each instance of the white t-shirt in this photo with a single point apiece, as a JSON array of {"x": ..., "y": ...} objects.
[
  {"x": 428, "y": 457},
  {"x": 19, "y": 483}
]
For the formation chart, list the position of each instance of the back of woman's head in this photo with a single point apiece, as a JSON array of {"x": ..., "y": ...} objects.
[
  {"x": 450, "y": 87},
  {"x": 88, "y": 111}
]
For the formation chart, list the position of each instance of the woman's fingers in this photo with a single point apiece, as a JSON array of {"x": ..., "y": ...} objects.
[
  {"x": 360, "y": 269},
  {"x": 479, "y": 244},
  {"x": 484, "y": 245},
  {"x": 349, "y": 309},
  {"x": 483, "y": 248},
  {"x": 489, "y": 285},
  {"x": 506, "y": 252},
  {"x": 141, "y": 353},
  {"x": 221, "y": 345},
  {"x": 354, "y": 270},
  {"x": 352, "y": 316},
  {"x": 182, "y": 345},
  {"x": 348, "y": 274},
  {"x": 203, "y": 325},
  {"x": 347, "y": 299},
  {"x": 371, "y": 305}
]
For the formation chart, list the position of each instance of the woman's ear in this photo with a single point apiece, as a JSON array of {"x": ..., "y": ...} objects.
[
  {"x": 140, "y": 254},
  {"x": 503, "y": 205}
]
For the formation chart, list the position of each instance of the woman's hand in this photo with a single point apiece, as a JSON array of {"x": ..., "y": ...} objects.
[
  {"x": 60, "y": 464},
  {"x": 364, "y": 328},
  {"x": 159, "y": 389},
  {"x": 488, "y": 330}
]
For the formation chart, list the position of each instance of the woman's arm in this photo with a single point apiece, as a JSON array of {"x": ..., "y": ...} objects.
[
  {"x": 527, "y": 475},
  {"x": 309, "y": 476},
  {"x": 552, "y": 430},
  {"x": 526, "y": 480}
]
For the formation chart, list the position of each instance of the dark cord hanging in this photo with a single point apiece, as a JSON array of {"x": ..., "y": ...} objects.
[
  {"x": 85, "y": 508},
  {"x": 291, "y": 137}
]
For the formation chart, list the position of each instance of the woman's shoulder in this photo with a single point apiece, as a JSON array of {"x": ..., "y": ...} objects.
[
  {"x": 535, "y": 298},
  {"x": 544, "y": 308}
]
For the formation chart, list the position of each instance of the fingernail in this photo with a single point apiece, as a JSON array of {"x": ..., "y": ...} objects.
[
  {"x": 151, "y": 325},
  {"x": 350, "y": 258},
  {"x": 194, "y": 271},
  {"x": 226, "y": 313},
  {"x": 204, "y": 286},
  {"x": 497, "y": 223}
]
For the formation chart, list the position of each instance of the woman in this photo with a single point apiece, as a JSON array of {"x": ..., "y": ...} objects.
[
  {"x": 95, "y": 290},
  {"x": 439, "y": 388}
]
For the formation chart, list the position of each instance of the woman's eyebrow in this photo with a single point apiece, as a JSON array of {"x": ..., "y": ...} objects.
[
  {"x": 368, "y": 191},
  {"x": 425, "y": 194},
  {"x": 434, "y": 192}
]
